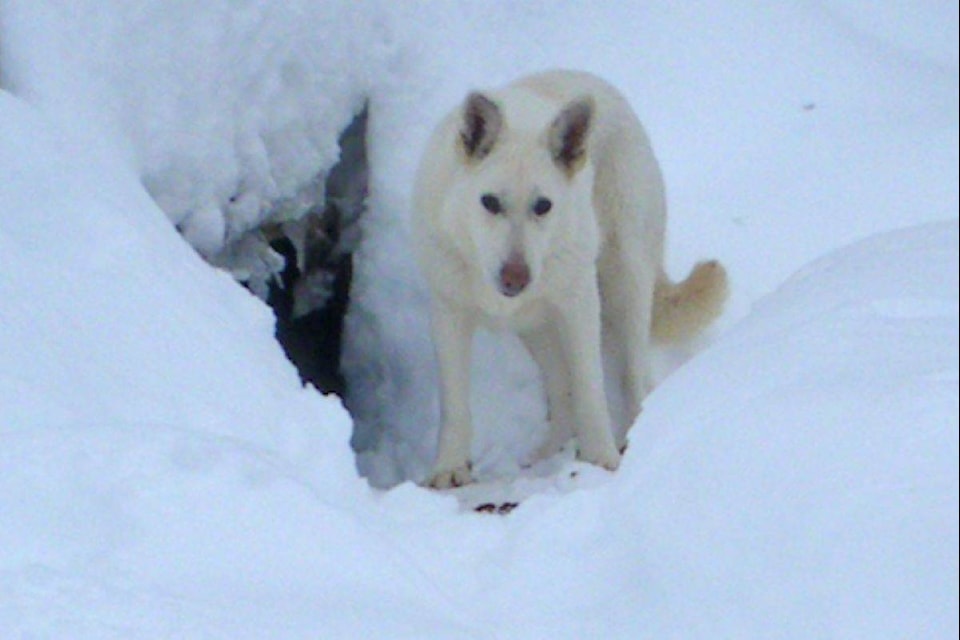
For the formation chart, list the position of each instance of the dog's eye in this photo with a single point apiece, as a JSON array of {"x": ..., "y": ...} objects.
[
  {"x": 542, "y": 206},
  {"x": 491, "y": 203}
]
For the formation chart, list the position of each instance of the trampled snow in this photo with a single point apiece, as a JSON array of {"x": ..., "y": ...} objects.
[{"x": 164, "y": 474}]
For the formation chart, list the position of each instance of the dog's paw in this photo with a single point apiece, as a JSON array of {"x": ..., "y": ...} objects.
[
  {"x": 609, "y": 460},
  {"x": 450, "y": 478}
]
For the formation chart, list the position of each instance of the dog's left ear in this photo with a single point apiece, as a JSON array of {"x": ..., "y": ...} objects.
[{"x": 568, "y": 134}]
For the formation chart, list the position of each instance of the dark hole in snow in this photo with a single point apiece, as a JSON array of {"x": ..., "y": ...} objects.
[
  {"x": 312, "y": 341},
  {"x": 310, "y": 295},
  {"x": 300, "y": 260}
]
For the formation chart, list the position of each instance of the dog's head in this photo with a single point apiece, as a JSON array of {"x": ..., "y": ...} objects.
[{"x": 520, "y": 186}]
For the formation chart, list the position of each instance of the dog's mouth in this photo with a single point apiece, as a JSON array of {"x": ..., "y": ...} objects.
[{"x": 511, "y": 292}]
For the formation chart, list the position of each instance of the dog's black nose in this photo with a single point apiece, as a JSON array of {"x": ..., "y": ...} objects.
[{"x": 514, "y": 277}]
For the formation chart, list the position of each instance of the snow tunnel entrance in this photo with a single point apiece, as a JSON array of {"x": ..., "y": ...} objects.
[
  {"x": 309, "y": 296},
  {"x": 296, "y": 253}
]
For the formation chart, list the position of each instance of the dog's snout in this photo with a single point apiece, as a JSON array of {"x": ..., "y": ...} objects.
[{"x": 514, "y": 277}]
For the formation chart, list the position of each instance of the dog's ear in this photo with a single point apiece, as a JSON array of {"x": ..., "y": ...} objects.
[
  {"x": 480, "y": 127},
  {"x": 568, "y": 134}
]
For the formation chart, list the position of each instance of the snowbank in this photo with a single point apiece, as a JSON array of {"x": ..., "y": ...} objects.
[{"x": 817, "y": 481}]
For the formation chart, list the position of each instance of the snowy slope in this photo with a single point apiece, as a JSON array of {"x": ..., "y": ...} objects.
[
  {"x": 163, "y": 474},
  {"x": 154, "y": 437}
]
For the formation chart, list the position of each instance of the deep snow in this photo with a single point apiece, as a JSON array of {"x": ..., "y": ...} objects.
[{"x": 163, "y": 473}]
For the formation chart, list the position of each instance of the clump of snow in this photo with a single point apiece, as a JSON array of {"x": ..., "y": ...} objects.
[
  {"x": 164, "y": 473},
  {"x": 230, "y": 112}
]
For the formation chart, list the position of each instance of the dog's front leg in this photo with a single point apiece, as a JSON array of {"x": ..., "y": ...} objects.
[
  {"x": 452, "y": 339},
  {"x": 578, "y": 325}
]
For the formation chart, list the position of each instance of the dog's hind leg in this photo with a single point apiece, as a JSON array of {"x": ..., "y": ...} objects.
[
  {"x": 578, "y": 332},
  {"x": 627, "y": 298}
]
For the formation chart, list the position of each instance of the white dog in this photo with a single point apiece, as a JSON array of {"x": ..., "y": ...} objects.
[{"x": 539, "y": 208}]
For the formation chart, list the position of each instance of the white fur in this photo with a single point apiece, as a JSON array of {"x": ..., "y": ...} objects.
[{"x": 593, "y": 261}]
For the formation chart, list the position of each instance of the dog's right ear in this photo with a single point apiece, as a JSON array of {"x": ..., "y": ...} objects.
[{"x": 480, "y": 126}]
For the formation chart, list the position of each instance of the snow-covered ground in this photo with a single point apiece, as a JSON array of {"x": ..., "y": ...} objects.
[{"x": 164, "y": 474}]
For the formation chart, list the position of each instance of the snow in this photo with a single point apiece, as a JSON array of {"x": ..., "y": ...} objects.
[{"x": 164, "y": 474}]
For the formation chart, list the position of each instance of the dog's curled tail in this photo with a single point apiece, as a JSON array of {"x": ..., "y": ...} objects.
[{"x": 682, "y": 310}]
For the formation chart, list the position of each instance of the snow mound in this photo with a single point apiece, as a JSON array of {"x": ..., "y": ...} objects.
[
  {"x": 229, "y": 112},
  {"x": 824, "y": 454}
]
